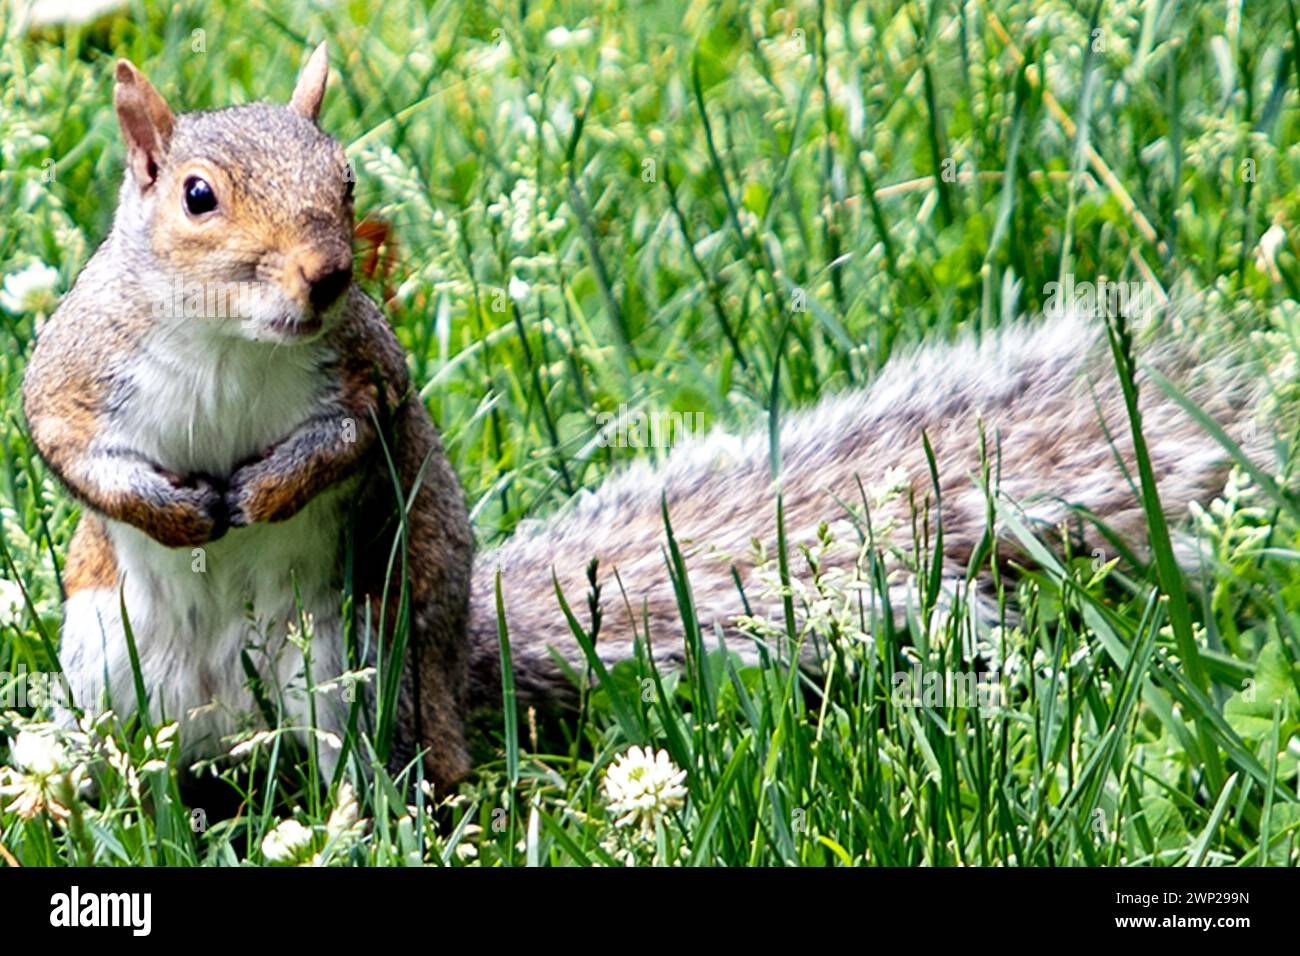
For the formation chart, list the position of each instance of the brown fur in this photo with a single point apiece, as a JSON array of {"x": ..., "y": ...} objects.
[{"x": 91, "y": 563}]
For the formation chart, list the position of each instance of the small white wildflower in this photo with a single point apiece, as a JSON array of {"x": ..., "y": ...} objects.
[
  {"x": 562, "y": 118},
  {"x": 92, "y": 724},
  {"x": 28, "y": 288},
  {"x": 165, "y": 736},
  {"x": 346, "y": 812},
  {"x": 11, "y": 602},
  {"x": 286, "y": 843},
  {"x": 1266, "y": 252},
  {"x": 300, "y": 633},
  {"x": 120, "y": 761},
  {"x": 562, "y": 38},
  {"x": 891, "y": 484},
  {"x": 491, "y": 57},
  {"x": 642, "y": 786},
  {"x": 343, "y": 830},
  {"x": 330, "y": 740},
  {"x": 346, "y": 683},
  {"x": 621, "y": 853},
  {"x": 246, "y": 747},
  {"x": 45, "y": 13},
  {"x": 518, "y": 289},
  {"x": 521, "y": 211}
]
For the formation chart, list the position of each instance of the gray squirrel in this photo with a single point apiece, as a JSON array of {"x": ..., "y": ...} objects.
[{"x": 259, "y": 437}]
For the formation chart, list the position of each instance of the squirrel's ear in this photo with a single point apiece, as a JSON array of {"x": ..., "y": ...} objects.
[
  {"x": 310, "y": 89},
  {"x": 146, "y": 122}
]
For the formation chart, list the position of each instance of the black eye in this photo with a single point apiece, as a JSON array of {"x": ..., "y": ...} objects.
[
  {"x": 199, "y": 197},
  {"x": 351, "y": 182}
]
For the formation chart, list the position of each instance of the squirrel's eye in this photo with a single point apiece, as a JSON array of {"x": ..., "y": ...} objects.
[
  {"x": 199, "y": 197},
  {"x": 350, "y": 181}
]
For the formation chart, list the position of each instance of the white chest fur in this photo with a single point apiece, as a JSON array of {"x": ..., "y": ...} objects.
[
  {"x": 203, "y": 402},
  {"x": 200, "y": 404}
]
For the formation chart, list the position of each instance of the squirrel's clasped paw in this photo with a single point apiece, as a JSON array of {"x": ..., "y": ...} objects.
[
  {"x": 248, "y": 495},
  {"x": 195, "y": 512},
  {"x": 239, "y": 503}
]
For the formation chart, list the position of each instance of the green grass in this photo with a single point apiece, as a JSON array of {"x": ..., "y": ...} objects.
[{"x": 667, "y": 184}]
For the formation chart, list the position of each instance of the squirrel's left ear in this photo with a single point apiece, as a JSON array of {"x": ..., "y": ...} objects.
[
  {"x": 310, "y": 89},
  {"x": 146, "y": 122}
]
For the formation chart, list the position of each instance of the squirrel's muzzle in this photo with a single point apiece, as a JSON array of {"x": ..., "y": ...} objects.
[
  {"x": 326, "y": 289},
  {"x": 324, "y": 276}
]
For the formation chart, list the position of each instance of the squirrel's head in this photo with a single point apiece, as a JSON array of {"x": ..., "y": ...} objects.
[{"x": 253, "y": 202}]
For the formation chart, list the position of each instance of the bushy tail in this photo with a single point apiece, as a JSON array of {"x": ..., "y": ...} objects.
[{"x": 1045, "y": 396}]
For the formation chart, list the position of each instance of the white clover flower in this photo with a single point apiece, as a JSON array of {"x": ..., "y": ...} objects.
[
  {"x": 37, "y": 752},
  {"x": 44, "y": 775},
  {"x": 642, "y": 786},
  {"x": 286, "y": 843},
  {"x": 27, "y": 288}
]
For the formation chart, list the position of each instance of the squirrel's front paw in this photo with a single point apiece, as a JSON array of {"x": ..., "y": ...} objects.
[
  {"x": 256, "y": 493},
  {"x": 241, "y": 497},
  {"x": 193, "y": 513}
]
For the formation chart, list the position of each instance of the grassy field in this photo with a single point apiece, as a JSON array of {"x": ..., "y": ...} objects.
[{"x": 603, "y": 204}]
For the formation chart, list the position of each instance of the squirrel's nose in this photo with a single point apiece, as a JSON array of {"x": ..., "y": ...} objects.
[{"x": 326, "y": 282}]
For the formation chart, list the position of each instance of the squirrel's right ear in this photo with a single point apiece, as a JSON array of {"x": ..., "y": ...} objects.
[
  {"x": 146, "y": 122},
  {"x": 310, "y": 88}
]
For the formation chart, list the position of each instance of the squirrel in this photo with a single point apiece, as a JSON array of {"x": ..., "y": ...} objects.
[
  {"x": 269, "y": 438},
  {"x": 251, "y": 430}
]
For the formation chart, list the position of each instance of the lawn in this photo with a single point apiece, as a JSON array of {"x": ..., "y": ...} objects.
[{"x": 715, "y": 210}]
